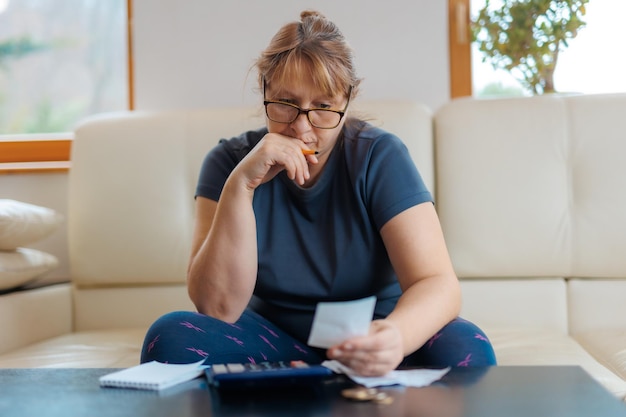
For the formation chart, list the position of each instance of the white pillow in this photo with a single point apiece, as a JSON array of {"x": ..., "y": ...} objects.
[
  {"x": 23, "y": 223},
  {"x": 20, "y": 266}
]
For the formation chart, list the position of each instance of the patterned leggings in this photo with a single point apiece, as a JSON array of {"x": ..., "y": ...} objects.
[{"x": 185, "y": 337}]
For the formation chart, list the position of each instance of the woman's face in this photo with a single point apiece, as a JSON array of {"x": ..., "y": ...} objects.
[{"x": 302, "y": 93}]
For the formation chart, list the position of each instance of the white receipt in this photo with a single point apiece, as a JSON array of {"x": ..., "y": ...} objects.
[
  {"x": 337, "y": 321},
  {"x": 408, "y": 378}
]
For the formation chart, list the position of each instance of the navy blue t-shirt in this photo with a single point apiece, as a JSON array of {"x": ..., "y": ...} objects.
[{"x": 323, "y": 243}]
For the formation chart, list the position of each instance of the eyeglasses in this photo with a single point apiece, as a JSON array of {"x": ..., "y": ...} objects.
[{"x": 282, "y": 112}]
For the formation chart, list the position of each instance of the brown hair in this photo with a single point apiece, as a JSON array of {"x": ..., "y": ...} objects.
[{"x": 315, "y": 45}]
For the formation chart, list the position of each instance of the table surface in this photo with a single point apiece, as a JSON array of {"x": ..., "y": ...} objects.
[{"x": 464, "y": 392}]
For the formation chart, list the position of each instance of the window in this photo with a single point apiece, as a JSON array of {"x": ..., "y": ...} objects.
[
  {"x": 593, "y": 62},
  {"x": 60, "y": 61}
]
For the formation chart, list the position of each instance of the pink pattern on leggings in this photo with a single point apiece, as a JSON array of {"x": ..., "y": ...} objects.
[
  {"x": 236, "y": 326},
  {"x": 480, "y": 337},
  {"x": 432, "y": 340},
  {"x": 234, "y": 339},
  {"x": 466, "y": 361},
  {"x": 198, "y": 351},
  {"x": 191, "y": 326},
  {"x": 153, "y": 342},
  {"x": 299, "y": 348},
  {"x": 270, "y": 331},
  {"x": 268, "y": 342}
]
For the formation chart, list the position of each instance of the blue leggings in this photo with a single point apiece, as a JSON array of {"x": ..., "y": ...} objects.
[{"x": 185, "y": 337}]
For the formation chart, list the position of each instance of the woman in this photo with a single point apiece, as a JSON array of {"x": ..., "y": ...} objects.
[{"x": 316, "y": 206}]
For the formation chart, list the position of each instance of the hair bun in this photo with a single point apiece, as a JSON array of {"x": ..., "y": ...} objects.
[{"x": 311, "y": 14}]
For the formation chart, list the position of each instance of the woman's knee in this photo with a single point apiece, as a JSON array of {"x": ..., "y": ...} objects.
[
  {"x": 166, "y": 333},
  {"x": 459, "y": 343},
  {"x": 471, "y": 339}
]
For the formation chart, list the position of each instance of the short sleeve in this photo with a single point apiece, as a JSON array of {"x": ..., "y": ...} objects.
[
  {"x": 221, "y": 160},
  {"x": 392, "y": 181}
]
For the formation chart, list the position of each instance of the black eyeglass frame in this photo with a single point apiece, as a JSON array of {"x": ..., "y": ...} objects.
[{"x": 341, "y": 113}]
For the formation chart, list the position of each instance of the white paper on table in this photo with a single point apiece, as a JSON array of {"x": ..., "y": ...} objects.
[
  {"x": 337, "y": 321},
  {"x": 153, "y": 375},
  {"x": 408, "y": 378}
]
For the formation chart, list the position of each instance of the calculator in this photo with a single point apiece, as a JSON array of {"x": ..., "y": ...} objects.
[{"x": 265, "y": 374}]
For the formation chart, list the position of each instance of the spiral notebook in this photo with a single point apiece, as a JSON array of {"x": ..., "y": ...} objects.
[{"x": 153, "y": 375}]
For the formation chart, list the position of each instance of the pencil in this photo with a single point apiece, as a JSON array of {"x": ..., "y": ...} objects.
[{"x": 309, "y": 152}]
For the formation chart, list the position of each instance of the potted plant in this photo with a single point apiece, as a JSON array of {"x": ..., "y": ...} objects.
[{"x": 524, "y": 37}]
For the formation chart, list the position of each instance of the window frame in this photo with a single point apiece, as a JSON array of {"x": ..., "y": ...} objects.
[
  {"x": 51, "y": 152},
  {"x": 459, "y": 48}
]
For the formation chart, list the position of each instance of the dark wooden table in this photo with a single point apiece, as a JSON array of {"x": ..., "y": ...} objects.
[{"x": 464, "y": 392}]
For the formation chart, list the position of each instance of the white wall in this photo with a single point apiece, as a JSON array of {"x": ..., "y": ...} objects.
[{"x": 197, "y": 53}]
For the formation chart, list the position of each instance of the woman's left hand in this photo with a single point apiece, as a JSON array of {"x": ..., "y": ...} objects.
[{"x": 376, "y": 354}]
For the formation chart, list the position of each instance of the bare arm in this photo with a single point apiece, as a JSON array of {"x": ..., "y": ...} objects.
[
  {"x": 431, "y": 294},
  {"x": 223, "y": 265}
]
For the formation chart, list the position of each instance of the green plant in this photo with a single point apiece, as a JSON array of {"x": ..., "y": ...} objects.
[
  {"x": 18, "y": 48},
  {"x": 525, "y": 37}
]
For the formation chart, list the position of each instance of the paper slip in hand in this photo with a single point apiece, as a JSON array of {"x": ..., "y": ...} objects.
[
  {"x": 335, "y": 322},
  {"x": 153, "y": 375}
]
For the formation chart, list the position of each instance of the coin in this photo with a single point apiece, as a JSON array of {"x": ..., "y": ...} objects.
[
  {"x": 359, "y": 393},
  {"x": 382, "y": 398}
]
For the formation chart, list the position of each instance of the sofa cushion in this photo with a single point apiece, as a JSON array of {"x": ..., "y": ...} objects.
[
  {"x": 134, "y": 306},
  {"x": 22, "y": 265},
  {"x": 142, "y": 213},
  {"x": 531, "y": 346},
  {"x": 22, "y": 223},
  {"x": 118, "y": 348},
  {"x": 597, "y": 314},
  {"x": 532, "y": 186},
  {"x": 596, "y": 304},
  {"x": 516, "y": 303},
  {"x": 607, "y": 346}
]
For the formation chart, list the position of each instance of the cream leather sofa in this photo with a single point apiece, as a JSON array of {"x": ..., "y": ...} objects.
[{"x": 531, "y": 195}]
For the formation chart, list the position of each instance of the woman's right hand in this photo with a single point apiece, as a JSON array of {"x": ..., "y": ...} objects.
[{"x": 273, "y": 154}]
